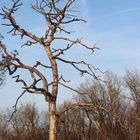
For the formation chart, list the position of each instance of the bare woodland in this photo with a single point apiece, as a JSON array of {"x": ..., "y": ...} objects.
[{"x": 101, "y": 111}]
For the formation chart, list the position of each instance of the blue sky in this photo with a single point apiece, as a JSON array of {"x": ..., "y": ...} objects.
[{"x": 111, "y": 24}]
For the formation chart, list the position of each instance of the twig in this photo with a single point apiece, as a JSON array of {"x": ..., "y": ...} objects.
[{"x": 15, "y": 106}]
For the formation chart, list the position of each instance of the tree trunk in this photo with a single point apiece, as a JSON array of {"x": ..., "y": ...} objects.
[
  {"x": 138, "y": 121},
  {"x": 52, "y": 118}
]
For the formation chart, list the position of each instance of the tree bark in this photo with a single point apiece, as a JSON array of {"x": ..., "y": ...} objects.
[
  {"x": 138, "y": 121},
  {"x": 52, "y": 118}
]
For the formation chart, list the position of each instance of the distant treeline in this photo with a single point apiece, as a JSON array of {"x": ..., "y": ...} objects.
[{"x": 106, "y": 109}]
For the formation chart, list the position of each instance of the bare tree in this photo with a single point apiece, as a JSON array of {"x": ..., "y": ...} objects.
[
  {"x": 99, "y": 109},
  {"x": 132, "y": 80},
  {"x": 25, "y": 125},
  {"x": 103, "y": 110},
  {"x": 76, "y": 122},
  {"x": 4, "y": 131},
  {"x": 57, "y": 15}
]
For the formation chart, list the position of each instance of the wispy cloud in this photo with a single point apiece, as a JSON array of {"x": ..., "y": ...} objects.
[
  {"x": 85, "y": 8},
  {"x": 119, "y": 12}
]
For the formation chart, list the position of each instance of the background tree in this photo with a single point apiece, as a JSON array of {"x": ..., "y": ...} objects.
[
  {"x": 57, "y": 15},
  {"x": 25, "y": 125},
  {"x": 132, "y": 80},
  {"x": 106, "y": 97},
  {"x": 98, "y": 113},
  {"x": 2, "y": 70},
  {"x": 102, "y": 111}
]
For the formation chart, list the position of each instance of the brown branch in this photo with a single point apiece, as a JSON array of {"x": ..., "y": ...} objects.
[
  {"x": 20, "y": 80},
  {"x": 40, "y": 64},
  {"x": 81, "y": 105},
  {"x": 77, "y": 64},
  {"x": 90, "y": 122},
  {"x": 13, "y": 63},
  {"x": 73, "y": 20},
  {"x": 69, "y": 87},
  {"x": 7, "y": 14},
  {"x": 29, "y": 43},
  {"x": 62, "y": 51},
  {"x": 15, "y": 106},
  {"x": 55, "y": 16},
  {"x": 77, "y": 41},
  {"x": 62, "y": 78}
]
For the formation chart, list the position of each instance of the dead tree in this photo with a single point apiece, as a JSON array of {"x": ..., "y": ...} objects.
[
  {"x": 132, "y": 80},
  {"x": 57, "y": 15}
]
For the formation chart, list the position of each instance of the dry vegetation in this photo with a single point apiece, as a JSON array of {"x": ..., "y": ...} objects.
[{"x": 101, "y": 111}]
